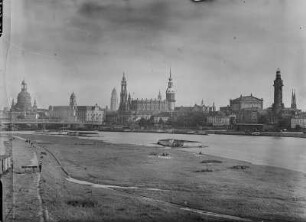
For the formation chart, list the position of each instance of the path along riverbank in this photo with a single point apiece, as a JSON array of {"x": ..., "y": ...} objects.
[
  {"x": 27, "y": 204},
  {"x": 202, "y": 183}
]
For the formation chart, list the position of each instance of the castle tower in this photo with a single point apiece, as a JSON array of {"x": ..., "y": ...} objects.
[
  {"x": 278, "y": 104},
  {"x": 293, "y": 100},
  {"x": 170, "y": 94},
  {"x": 123, "y": 106},
  {"x": 114, "y": 100}
]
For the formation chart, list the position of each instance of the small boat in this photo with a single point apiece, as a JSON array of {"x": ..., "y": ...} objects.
[
  {"x": 202, "y": 133},
  {"x": 179, "y": 143}
]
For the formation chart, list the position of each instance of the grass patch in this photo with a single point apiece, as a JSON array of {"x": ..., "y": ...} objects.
[
  {"x": 82, "y": 203},
  {"x": 239, "y": 167},
  {"x": 204, "y": 171},
  {"x": 153, "y": 154}
]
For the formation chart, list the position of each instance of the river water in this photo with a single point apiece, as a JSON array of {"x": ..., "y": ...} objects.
[{"x": 285, "y": 152}]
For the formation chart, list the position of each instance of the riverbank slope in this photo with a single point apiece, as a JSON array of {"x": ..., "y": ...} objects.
[{"x": 167, "y": 184}]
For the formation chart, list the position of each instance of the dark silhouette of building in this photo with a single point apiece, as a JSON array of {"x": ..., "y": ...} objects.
[
  {"x": 293, "y": 100},
  {"x": 123, "y": 106},
  {"x": 278, "y": 104}
]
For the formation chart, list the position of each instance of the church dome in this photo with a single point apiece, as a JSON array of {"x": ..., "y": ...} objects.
[{"x": 23, "y": 99}]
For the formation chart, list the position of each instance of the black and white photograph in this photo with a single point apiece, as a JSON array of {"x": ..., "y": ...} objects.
[{"x": 152, "y": 110}]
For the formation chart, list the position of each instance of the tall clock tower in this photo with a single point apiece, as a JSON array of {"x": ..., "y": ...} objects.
[{"x": 278, "y": 104}]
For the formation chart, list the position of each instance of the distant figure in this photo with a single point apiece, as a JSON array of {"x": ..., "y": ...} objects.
[{"x": 40, "y": 166}]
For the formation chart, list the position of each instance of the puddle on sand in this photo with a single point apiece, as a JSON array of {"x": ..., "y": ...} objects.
[{"x": 95, "y": 185}]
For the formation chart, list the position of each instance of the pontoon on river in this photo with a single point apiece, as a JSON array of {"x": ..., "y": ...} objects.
[{"x": 179, "y": 143}]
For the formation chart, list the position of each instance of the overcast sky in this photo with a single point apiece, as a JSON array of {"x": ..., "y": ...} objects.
[{"x": 217, "y": 49}]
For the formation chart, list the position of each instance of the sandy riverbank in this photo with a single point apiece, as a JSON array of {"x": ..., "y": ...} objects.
[{"x": 178, "y": 180}]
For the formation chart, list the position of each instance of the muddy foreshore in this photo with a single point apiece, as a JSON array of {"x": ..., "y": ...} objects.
[{"x": 172, "y": 185}]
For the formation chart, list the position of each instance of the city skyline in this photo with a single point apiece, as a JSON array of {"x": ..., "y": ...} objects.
[
  {"x": 293, "y": 93},
  {"x": 217, "y": 50}
]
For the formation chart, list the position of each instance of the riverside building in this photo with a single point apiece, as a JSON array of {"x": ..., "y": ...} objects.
[{"x": 78, "y": 114}]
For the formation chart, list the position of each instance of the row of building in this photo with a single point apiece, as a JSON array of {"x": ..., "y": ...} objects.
[
  {"x": 242, "y": 110},
  {"x": 23, "y": 110}
]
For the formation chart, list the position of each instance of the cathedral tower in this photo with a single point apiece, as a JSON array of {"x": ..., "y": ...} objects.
[
  {"x": 123, "y": 106},
  {"x": 72, "y": 101},
  {"x": 114, "y": 100},
  {"x": 278, "y": 104},
  {"x": 170, "y": 94},
  {"x": 293, "y": 100}
]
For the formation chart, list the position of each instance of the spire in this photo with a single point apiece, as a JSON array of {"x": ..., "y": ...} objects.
[
  {"x": 170, "y": 83},
  {"x": 170, "y": 94},
  {"x": 123, "y": 105},
  {"x": 293, "y": 100}
]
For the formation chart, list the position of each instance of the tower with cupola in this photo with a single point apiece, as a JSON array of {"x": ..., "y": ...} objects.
[{"x": 170, "y": 94}]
